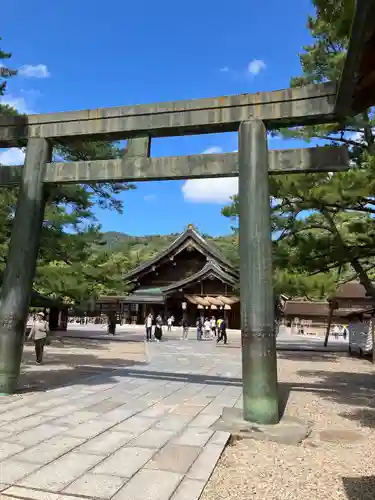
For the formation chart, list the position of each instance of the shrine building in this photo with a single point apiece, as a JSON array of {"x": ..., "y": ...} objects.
[{"x": 190, "y": 278}]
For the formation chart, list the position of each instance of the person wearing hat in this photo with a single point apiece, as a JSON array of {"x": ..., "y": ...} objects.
[{"x": 38, "y": 334}]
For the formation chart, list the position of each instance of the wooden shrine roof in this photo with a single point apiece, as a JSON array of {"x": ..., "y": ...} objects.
[
  {"x": 351, "y": 290},
  {"x": 157, "y": 295},
  {"x": 314, "y": 309},
  {"x": 189, "y": 236},
  {"x": 209, "y": 271}
]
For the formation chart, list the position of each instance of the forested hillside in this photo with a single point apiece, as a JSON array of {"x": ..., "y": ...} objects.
[{"x": 142, "y": 248}]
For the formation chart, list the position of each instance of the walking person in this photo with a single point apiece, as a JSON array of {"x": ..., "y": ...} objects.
[
  {"x": 148, "y": 324},
  {"x": 38, "y": 334},
  {"x": 169, "y": 324},
  {"x": 345, "y": 332},
  {"x": 207, "y": 328},
  {"x": 199, "y": 326},
  {"x": 158, "y": 328},
  {"x": 112, "y": 323},
  {"x": 336, "y": 331},
  {"x": 185, "y": 328},
  {"x": 213, "y": 326},
  {"x": 222, "y": 333}
]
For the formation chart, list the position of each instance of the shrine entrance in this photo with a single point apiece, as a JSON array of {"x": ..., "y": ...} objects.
[{"x": 252, "y": 115}]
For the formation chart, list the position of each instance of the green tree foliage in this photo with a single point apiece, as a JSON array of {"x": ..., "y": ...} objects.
[
  {"x": 139, "y": 249},
  {"x": 5, "y": 73},
  {"x": 323, "y": 223},
  {"x": 68, "y": 266}
]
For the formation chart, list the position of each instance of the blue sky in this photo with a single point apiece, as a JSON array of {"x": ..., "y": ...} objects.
[{"x": 89, "y": 54}]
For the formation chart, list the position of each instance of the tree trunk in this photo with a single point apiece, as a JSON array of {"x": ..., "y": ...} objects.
[{"x": 329, "y": 324}]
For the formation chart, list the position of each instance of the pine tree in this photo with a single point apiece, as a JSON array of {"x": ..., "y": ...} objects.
[
  {"x": 68, "y": 268},
  {"x": 323, "y": 223},
  {"x": 5, "y": 73}
]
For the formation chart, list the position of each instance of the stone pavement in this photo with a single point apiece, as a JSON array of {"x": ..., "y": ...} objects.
[
  {"x": 141, "y": 432},
  {"x": 137, "y": 333}
]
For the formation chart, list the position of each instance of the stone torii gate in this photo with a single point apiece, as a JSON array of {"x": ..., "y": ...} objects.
[{"x": 252, "y": 115}]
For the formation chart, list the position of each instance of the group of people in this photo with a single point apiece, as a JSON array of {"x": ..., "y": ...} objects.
[
  {"x": 206, "y": 328},
  {"x": 340, "y": 330},
  {"x": 211, "y": 328},
  {"x": 158, "y": 330}
]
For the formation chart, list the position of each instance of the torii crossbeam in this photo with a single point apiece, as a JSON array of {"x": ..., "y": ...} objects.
[{"x": 252, "y": 115}]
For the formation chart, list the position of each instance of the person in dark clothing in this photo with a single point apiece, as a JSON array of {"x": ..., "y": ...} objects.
[
  {"x": 158, "y": 328},
  {"x": 112, "y": 324},
  {"x": 199, "y": 328},
  {"x": 222, "y": 334},
  {"x": 185, "y": 328}
]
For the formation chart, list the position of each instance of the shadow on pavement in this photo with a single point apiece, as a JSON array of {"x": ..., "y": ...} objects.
[
  {"x": 328, "y": 357},
  {"x": 359, "y": 488},
  {"x": 76, "y": 362}
]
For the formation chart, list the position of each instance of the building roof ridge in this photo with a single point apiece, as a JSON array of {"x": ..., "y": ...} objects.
[{"x": 184, "y": 236}]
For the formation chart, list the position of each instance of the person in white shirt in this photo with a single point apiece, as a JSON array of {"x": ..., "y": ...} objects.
[
  {"x": 149, "y": 320},
  {"x": 169, "y": 323},
  {"x": 336, "y": 331},
  {"x": 207, "y": 328},
  {"x": 38, "y": 334},
  {"x": 213, "y": 325}
]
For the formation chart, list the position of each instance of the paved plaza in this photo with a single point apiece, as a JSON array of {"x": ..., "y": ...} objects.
[
  {"x": 137, "y": 427},
  {"x": 137, "y": 333},
  {"x": 137, "y": 432}
]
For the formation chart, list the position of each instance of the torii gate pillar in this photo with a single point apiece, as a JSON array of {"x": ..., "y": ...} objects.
[
  {"x": 259, "y": 365},
  {"x": 21, "y": 263}
]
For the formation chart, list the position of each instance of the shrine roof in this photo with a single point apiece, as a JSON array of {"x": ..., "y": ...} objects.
[
  {"x": 351, "y": 290},
  {"x": 157, "y": 295},
  {"x": 313, "y": 309},
  {"x": 179, "y": 244},
  {"x": 210, "y": 270},
  {"x": 145, "y": 296}
]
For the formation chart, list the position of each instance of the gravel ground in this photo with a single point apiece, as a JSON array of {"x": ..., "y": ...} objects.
[{"x": 337, "y": 461}]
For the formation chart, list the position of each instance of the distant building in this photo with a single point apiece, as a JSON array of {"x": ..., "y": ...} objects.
[
  {"x": 350, "y": 295},
  {"x": 310, "y": 317},
  {"x": 190, "y": 278},
  {"x": 314, "y": 317}
]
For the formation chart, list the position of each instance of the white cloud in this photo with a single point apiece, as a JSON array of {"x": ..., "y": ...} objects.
[
  {"x": 12, "y": 156},
  {"x": 211, "y": 190},
  {"x": 256, "y": 66},
  {"x": 18, "y": 103},
  {"x": 253, "y": 69},
  {"x": 37, "y": 71},
  {"x": 213, "y": 150}
]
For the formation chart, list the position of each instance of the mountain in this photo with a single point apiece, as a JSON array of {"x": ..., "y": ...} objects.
[{"x": 142, "y": 248}]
